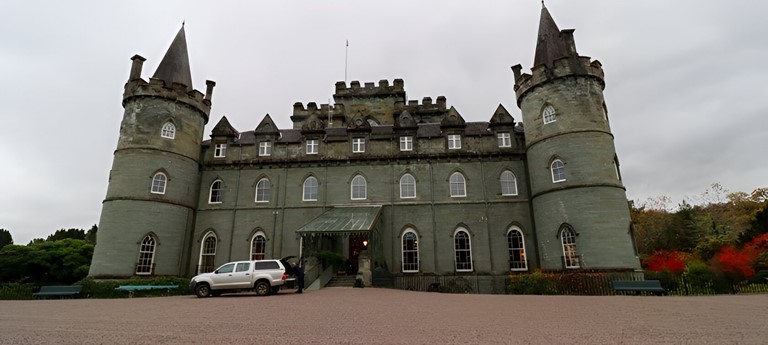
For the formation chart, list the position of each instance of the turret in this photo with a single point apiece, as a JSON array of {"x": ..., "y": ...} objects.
[
  {"x": 148, "y": 213},
  {"x": 578, "y": 200}
]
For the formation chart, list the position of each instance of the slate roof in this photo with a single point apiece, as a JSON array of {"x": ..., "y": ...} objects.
[
  {"x": 174, "y": 68},
  {"x": 343, "y": 220}
]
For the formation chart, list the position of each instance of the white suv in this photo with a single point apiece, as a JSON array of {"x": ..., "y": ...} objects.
[{"x": 262, "y": 276}]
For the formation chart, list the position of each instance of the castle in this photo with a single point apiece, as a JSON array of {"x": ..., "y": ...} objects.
[{"x": 412, "y": 187}]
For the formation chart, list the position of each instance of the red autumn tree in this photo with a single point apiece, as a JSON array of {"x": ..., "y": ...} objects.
[
  {"x": 759, "y": 243},
  {"x": 667, "y": 260},
  {"x": 735, "y": 264}
]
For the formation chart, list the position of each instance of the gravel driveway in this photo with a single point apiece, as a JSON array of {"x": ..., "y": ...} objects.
[{"x": 384, "y": 316}]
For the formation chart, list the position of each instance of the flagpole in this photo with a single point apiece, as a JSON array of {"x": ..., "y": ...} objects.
[{"x": 346, "y": 54}]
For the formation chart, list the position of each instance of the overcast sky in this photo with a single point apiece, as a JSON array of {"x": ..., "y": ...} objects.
[{"x": 685, "y": 80}]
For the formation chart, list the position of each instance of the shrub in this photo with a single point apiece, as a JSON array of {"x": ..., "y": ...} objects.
[
  {"x": 106, "y": 288},
  {"x": 536, "y": 283},
  {"x": 664, "y": 260}
]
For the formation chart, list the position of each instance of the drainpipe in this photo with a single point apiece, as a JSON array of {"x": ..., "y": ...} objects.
[
  {"x": 432, "y": 208},
  {"x": 234, "y": 213},
  {"x": 487, "y": 219}
]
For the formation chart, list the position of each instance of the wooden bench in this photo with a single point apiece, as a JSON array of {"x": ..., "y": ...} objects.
[
  {"x": 638, "y": 286},
  {"x": 133, "y": 288},
  {"x": 58, "y": 290}
]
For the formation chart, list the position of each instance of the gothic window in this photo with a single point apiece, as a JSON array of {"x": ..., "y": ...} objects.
[
  {"x": 263, "y": 188},
  {"x": 358, "y": 145},
  {"x": 616, "y": 168},
  {"x": 505, "y": 139},
  {"x": 265, "y": 148},
  {"x": 217, "y": 191},
  {"x": 549, "y": 114},
  {"x": 158, "y": 183},
  {"x": 410, "y": 251},
  {"x": 558, "y": 171},
  {"x": 508, "y": 183},
  {"x": 407, "y": 186},
  {"x": 207, "y": 260},
  {"x": 568, "y": 239},
  {"x": 359, "y": 188},
  {"x": 310, "y": 189},
  {"x": 406, "y": 143},
  {"x": 168, "y": 131},
  {"x": 312, "y": 146},
  {"x": 516, "y": 246},
  {"x": 258, "y": 246},
  {"x": 220, "y": 151},
  {"x": 146, "y": 263},
  {"x": 463, "y": 250},
  {"x": 458, "y": 185},
  {"x": 454, "y": 141}
]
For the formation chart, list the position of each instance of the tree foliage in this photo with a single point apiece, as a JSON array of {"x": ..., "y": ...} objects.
[
  {"x": 78, "y": 234},
  {"x": 49, "y": 262},
  {"x": 5, "y": 238}
]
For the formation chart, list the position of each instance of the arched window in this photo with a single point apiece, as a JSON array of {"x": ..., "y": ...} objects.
[
  {"x": 263, "y": 193},
  {"x": 516, "y": 246},
  {"x": 146, "y": 263},
  {"x": 568, "y": 238},
  {"x": 359, "y": 188},
  {"x": 508, "y": 183},
  {"x": 207, "y": 262},
  {"x": 558, "y": 171},
  {"x": 549, "y": 114},
  {"x": 410, "y": 251},
  {"x": 168, "y": 131},
  {"x": 616, "y": 168},
  {"x": 258, "y": 246},
  {"x": 216, "y": 193},
  {"x": 463, "y": 249},
  {"x": 310, "y": 189},
  {"x": 158, "y": 183},
  {"x": 407, "y": 186},
  {"x": 458, "y": 186}
]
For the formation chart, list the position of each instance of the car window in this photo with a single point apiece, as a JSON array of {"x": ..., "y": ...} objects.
[
  {"x": 226, "y": 268},
  {"x": 265, "y": 265},
  {"x": 243, "y": 267}
]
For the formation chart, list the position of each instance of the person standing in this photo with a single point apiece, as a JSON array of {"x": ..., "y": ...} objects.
[{"x": 299, "y": 269}]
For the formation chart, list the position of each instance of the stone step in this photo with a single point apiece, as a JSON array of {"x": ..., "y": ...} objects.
[{"x": 341, "y": 281}]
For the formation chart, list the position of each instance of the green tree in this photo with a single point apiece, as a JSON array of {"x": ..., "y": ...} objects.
[
  {"x": 78, "y": 234},
  {"x": 5, "y": 238},
  {"x": 90, "y": 236},
  {"x": 61, "y": 262},
  {"x": 681, "y": 233}
]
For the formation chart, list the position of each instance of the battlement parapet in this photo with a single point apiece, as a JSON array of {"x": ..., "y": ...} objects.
[
  {"x": 413, "y": 106},
  {"x": 370, "y": 89},
  {"x": 563, "y": 67},
  {"x": 176, "y": 92},
  {"x": 313, "y": 109}
]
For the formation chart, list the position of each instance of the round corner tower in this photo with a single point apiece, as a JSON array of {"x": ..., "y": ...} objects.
[
  {"x": 578, "y": 200},
  {"x": 149, "y": 211}
]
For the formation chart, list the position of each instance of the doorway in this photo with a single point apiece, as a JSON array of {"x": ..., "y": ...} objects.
[{"x": 357, "y": 244}]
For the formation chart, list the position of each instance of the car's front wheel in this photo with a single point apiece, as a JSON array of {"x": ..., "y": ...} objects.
[
  {"x": 202, "y": 290},
  {"x": 262, "y": 288}
]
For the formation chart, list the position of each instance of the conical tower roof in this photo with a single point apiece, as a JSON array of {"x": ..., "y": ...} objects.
[
  {"x": 550, "y": 45},
  {"x": 174, "y": 68}
]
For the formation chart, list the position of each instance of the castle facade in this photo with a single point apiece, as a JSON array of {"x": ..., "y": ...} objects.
[{"x": 410, "y": 185}]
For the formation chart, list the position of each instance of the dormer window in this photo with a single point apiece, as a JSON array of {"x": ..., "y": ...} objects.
[
  {"x": 454, "y": 141},
  {"x": 358, "y": 145},
  {"x": 505, "y": 139},
  {"x": 549, "y": 114},
  {"x": 265, "y": 148},
  {"x": 220, "y": 151},
  {"x": 168, "y": 131},
  {"x": 406, "y": 143},
  {"x": 312, "y": 145}
]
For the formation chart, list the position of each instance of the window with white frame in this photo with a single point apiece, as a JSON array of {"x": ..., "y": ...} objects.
[
  {"x": 310, "y": 189},
  {"x": 463, "y": 249},
  {"x": 410, "y": 251},
  {"x": 508, "y": 183},
  {"x": 558, "y": 171},
  {"x": 258, "y": 246},
  {"x": 549, "y": 114},
  {"x": 207, "y": 262},
  {"x": 358, "y": 145},
  {"x": 168, "y": 131},
  {"x": 220, "y": 151},
  {"x": 217, "y": 192},
  {"x": 406, "y": 143},
  {"x": 312, "y": 146},
  {"x": 458, "y": 185},
  {"x": 454, "y": 141},
  {"x": 505, "y": 139},
  {"x": 407, "y": 187},
  {"x": 265, "y": 148},
  {"x": 568, "y": 238},
  {"x": 616, "y": 168},
  {"x": 158, "y": 183},
  {"x": 516, "y": 246},
  {"x": 359, "y": 188},
  {"x": 263, "y": 188},
  {"x": 146, "y": 262}
]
